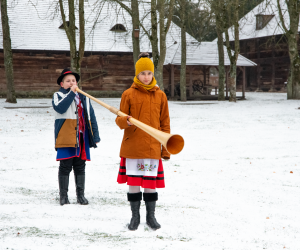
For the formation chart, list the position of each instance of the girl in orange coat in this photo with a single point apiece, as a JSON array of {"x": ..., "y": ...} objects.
[{"x": 141, "y": 154}]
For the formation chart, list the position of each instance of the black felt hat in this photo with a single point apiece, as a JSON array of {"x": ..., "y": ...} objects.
[{"x": 65, "y": 72}]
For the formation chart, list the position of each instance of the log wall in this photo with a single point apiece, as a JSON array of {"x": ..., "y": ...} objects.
[
  {"x": 37, "y": 72},
  {"x": 194, "y": 75},
  {"x": 272, "y": 58},
  {"x": 108, "y": 75}
]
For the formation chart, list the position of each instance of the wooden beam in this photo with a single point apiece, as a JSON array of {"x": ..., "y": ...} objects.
[
  {"x": 244, "y": 82},
  {"x": 226, "y": 79},
  {"x": 258, "y": 65},
  {"x": 241, "y": 68},
  {"x": 172, "y": 81},
  {"x": 273, "y": 70},
  {"x": 204, "y": 75},
  {"x": 191, "y": 81}
]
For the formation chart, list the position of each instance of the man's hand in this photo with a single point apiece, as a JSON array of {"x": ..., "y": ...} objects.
[{"x": 74, "y": 87}]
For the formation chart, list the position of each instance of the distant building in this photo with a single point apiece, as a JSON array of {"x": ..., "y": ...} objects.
[
  {"x": 202, "y": 61},
  {"x": 41, "y": 49},
  {"x": 263, "y": 42}
]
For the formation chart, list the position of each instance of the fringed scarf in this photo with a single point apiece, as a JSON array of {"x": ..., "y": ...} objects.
[{"x": 146, "y": 87}]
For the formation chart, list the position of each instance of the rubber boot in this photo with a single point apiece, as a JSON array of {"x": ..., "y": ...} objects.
[
  {"x": 135, "y": 203},
  {"x": 63, "y": 182},
  {"x": 80, "y": 183},
  {"x": 150, "y": 202}
]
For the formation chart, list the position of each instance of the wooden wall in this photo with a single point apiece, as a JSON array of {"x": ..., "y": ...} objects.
[
  {"x": 272, "y": 59},
  {"x": 194, "y": 75},
  {"x": 104, "y": 74},
  {"x": 37, "y": 72}
]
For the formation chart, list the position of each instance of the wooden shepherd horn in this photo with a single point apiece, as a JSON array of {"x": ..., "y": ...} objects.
[{"x": 173, "y": 143}]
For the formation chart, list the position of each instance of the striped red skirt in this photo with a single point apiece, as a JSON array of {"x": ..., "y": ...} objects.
[{"x": 140, "y": 180}]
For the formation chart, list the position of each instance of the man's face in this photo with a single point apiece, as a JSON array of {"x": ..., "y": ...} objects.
[{"x": 68, "y": 81}]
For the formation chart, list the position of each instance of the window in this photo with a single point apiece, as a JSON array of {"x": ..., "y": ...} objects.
[
  {"x": 118, "y": 28},
  {"x": 68, "y": 24},
  {"x": 262, "y": 21}
]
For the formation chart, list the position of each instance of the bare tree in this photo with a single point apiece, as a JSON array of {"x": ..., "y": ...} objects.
[
  {"x": 164, "y": 9},
  {"x": 182, "y": 10},
  {"x": 231, "y": 9},
  {"x": 8, "y": 57},
  {"x": 161, "y": 16},
  {"x": 136, "y": 23},
  {"x": 218, "y": 7},
  {"x": 135, "y": 29},
  {"x": 199, "y": 19},
  {"x": 76, "y": 56},
  {"x": 292, "y": 35}
]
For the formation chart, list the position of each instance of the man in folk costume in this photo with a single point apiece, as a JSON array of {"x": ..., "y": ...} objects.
[{"x": 76, "y": 131}]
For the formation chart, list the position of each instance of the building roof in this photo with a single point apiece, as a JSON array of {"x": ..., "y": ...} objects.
[
  {"x": 248, "y": 22},
  {"x": 205, "y": 53},
  {"x": 34, "y": 25}
]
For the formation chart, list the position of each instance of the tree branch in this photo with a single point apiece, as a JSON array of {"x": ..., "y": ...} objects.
[
  {"x": 81, "y": 31},
  {"x": 281, "y": 17},
  {"x": 170, "y": 14},
  {"x": 62, "y": 11}
]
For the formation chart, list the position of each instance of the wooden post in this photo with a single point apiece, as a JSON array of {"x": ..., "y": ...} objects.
[
  {"x": 204, "y": 74},
  {"x": 172, "y": 80},
  {"x": 204, "y": 78},
  {"x": 216, "y": 88},
  {"x": 226, "y": 73},
  {"x": 191, "y": 81},
  {"x": 244, "y": 82},
  {"x": 258, "y": 66},
  {"x": 273, "y": 71}
]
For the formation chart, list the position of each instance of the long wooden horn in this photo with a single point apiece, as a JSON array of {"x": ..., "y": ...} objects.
[{"x": 173, "y": 143}]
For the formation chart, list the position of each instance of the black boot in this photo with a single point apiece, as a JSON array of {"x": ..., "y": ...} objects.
[
  {"x": 150, "y": 201},
  {"x": 80, "y": 181},
  {"x": 135, "y": 203},
  {"x": 63, "y": 182}
]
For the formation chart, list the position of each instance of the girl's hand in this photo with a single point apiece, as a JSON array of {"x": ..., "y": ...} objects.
[{"x": 128, "y": 122}]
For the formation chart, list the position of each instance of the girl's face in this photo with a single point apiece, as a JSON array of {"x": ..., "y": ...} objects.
[{"x": 145, "y": 77}]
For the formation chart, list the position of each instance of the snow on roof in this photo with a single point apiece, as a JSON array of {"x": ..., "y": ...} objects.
[
  {"x": 248, "y": 22},
  {"x": 205, "y": 53},
  {"x": 34, "y": 25}
]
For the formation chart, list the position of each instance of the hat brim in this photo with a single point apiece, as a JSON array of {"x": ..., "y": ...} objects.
[{"x": 59, "y": 79}]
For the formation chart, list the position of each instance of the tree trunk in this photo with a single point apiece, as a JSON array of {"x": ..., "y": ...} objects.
[
  {"x": 293, "y": 83},
  {"x": 76, "y": 57},
  {"x": 159, "y": 55},
  {"x": 162, "y": 45},
  {"x": 221, "y": 96},
  {"x": 135, "y": 25},
  {"x": 232, "y": 83},
  {"x": 80, "y": 54},
  {"x": 233, "y": 58},
  {"x": 154, "y": 39},
  {"x": 183, "y": 53},
  {"x": 72, "y": 31},
  {"x": 8, "y": 57},
  {"x": 219, "y": 9}
]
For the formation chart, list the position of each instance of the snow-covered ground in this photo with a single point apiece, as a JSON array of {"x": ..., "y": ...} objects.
[{"x": 235, "y": 185}]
